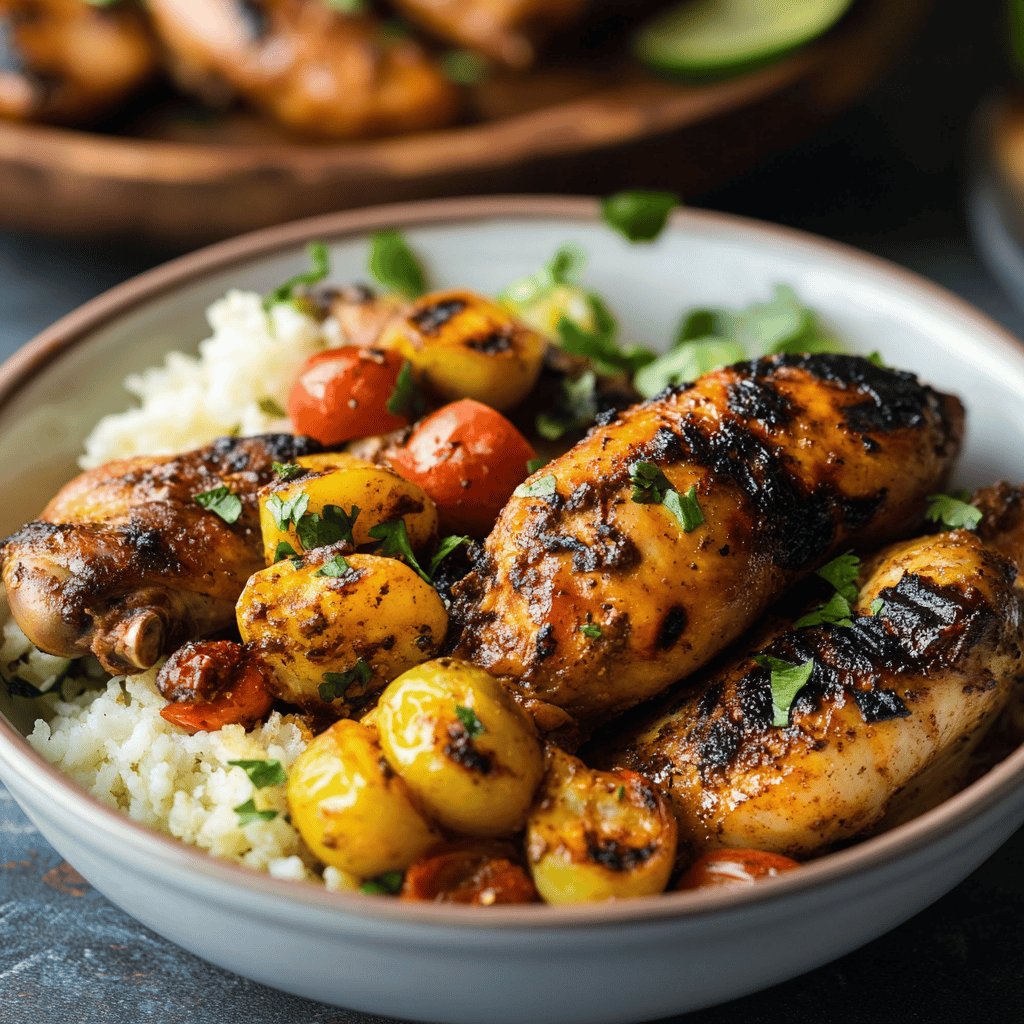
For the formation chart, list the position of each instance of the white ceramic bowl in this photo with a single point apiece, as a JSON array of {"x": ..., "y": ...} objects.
[{"x": 630, "y": 961}]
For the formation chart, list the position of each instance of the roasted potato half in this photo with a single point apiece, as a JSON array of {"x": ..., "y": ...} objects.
[
  {"x": 597, "y": 835},
  {"x": 336, "y": 485},
  {"x": 465, "y": 346},
  {"x": 350, "y": 809},
  {"x": 330, "y": 640},
  {"x": 462, "y": 745}
]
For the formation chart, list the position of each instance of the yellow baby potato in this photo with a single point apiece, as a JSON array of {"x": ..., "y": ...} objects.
[
  {"x": 351, "y": 812},
  {"x": 463, "y": 746},
  {"x": 332, "y": 633},
  {"x": 466, "y": 346},
  {"x": 598, "y": 835},
  {"x": 330, "y": 493}
]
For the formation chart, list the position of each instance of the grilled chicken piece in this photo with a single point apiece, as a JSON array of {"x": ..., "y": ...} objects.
[
  {"x": 596, "y": 602},
  {"x": 125, "y": 564},
  {"x": 893, "y": 699},
  {"x": 69, "y": 61},
  {"x": 505, "y": 30},
  {"x": 313, "y": 69}
]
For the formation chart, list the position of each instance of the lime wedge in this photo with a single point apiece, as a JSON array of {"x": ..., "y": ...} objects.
[{"x": 714, "y": 37}]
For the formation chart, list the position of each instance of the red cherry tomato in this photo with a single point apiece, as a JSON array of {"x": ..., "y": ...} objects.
[
  {"x": 342, "y": 394},
  {"x": 735, "y": 867},
  {"x": 479, "y": 874},
  {"x": 469, "y": 459},
  {"x": 213, "y": 683}
]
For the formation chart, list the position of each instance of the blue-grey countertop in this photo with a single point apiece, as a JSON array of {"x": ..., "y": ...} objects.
[{"x": 886, "y": 177}]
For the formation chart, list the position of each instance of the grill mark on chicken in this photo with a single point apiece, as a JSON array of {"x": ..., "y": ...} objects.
[
  {"x": 672, "y": 627},
  {"x": 886, "y": 697},
  {"x": 431, "y": 318},
  {"x": 780, "y": 497}
]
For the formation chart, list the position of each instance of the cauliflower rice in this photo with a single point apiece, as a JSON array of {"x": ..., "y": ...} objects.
[{"x": 110, "y": 737}]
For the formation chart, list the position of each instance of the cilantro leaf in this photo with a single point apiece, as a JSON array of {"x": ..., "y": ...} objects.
[
  {"x": 287, "y": 471},
  {"x": 287, "y": 511},
  {"x": 320, "y": 258},
  {"x": 444, "y": 549},
  {"x": 394, "y": 266},
  {"x": 337, "y": 684},
  {"x": 787, "y": 680},
  {"x": 686, "y": 508},
  {"x": 335, "y": 568},
  {"x": 394, "y": 538},
  {"x": 842, "y": 573},
  {"x": 285, "y": 550},
  {"x": 467, "y": 716},
  {"x": 575, "y": 410},
  {"x": 650, "y": 485},
  {"x": 564, "y": 268},
  {"x": 600, "y": 345},
  {"x": 639, "y": 215},
  {"x": 591, "y": 630},
  {"x": 877, "y": 605},
  {"x": 406, "y": 398},
  {"x": 388, "y": 884},
  {"x": 534, "y": 464},
  {"x": 836, "y": 611},
  {"x": 329, "y": 526},
  {"x": 686, "y": 363},
  {"x": 542, "y": 487},
  {"x": 262, "y": 773},
  {"x": 271, "y": 407},
  {"x": 221, "y": 502},
  {"x": 247, "y": 813},
  {"x": 953, "y": 511}
]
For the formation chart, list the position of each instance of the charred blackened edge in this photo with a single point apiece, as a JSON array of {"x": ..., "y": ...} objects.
[
  {"x": 257, "y": 452},
  {"x": 432, "y": 316}
]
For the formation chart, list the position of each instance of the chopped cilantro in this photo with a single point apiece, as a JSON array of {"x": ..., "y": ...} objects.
[
  {"x": 287, "y": 471},
  {"x": 542, "y": 487},
  {"x": 285, "y": 550},
  {"x": 406, "y": 398},
  {"x": 270, "y": 407},
  {"x": 388, "y": 884},
  {"x": 953, "y": 511},
  {"x": 444, "y": 549},
  {"x": 247, "y": 813},
  {"x": 600, "y": 345},
  {"x": 877, "y": 605},
  {"x": 287, "y": 511},
  {"x": 589, "y": 629},
  {"x": 620, "y": 794},
  {"x": 394, "y": 265},
  {"x": 262, "y": 773},
  {"x": 337, "y": 684},
  {"x": 651, "y": 487},
  {"x": 329, "y": 526},
  {"x": 836, "y": 611},
  {"x": 686, "y": 508},
  {"x": 686, "y": 363},
  {"x": 467, "y": 716},
  {"x": 534, "y": 464},
  {"x": 335, "y": 568},
  {"x": 221, "y": 502},
  {"x": 394, "y": 538},
  {"x": 842, "y": 573},
  {"x": 787, "y": 680},
  {"x": 639, "y": 215},
  {"x": 320, "y": 258}
]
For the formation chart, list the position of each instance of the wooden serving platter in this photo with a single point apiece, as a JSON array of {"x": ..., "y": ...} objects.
[{"x": 587, "y": 121}]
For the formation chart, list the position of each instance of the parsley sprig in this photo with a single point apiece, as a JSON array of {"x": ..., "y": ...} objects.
[
  {"x": 841, "y": 573},
  {"x": 394, "y": 266},
  {"x": 470, "y": 722},
  {"x": 222, "y": 502},
  {"x": 337, "y": 684},
  {"x": 247, "y": 813},
  {"x": 320, "y": 260},
  {"x": 787, "y": 680},
  {"x": 542, "y": 487},
  {"x": 395, "y": 543},
  {"x": 652, "y": 487},
  {"x": 268, "y": 772},
  {"x": 953, "y": 511}
]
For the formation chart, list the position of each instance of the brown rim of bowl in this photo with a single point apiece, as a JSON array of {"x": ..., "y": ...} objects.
[{"x": 17, "y": 758}]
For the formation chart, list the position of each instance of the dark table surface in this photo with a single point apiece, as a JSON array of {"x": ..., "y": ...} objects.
[{"x": 887, "y": 176}]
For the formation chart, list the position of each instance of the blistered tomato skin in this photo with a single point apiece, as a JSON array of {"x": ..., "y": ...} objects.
[
  {"x": 735, "y": 867},
  {"x": 469, "y": 459},
  {"x": 463, "y": 746},
  {"x": 350, "y": 809},
  {"x": 480, "y": 874},
  {"x": 596, "y": 835},
  {"x": 342, "y": 394}
]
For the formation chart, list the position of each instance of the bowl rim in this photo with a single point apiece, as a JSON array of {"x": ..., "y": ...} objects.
[{"x": 18, "y": 759}]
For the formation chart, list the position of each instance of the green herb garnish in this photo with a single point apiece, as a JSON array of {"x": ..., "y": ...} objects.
[
  {"x": 329, "y": 526},
  {"x": 534, "y": 464},
  {"x": 686, "y": 363},
  {"x": 394, "y": 538},
  {"x": 953, "y": 511},
  {"x": 406, "y": 398},
  {"x": 335, "y": 568},
  {"x": 591, "y": 630},
  {"x": 221, "y": 502},
  {"x": 394, "y": 266},
  {"x": 542, "y": 487},
  {"x": 877, "y": 605},
  {"x": 600, "y": 344},
  {"x": 320, "y": 258},
  {"x": 652, "y": 487},
  {"x": 640, "y": 215},
  {"x": 262, "y": 773},
  {"x": 467, "y": 716},
  {"x": 349, "y": 6},
  {"x": 686, "y": 508},
  {"x": 576, "y": 408},
  {"x": 388, "y": 884},
  {"x": 842, "y": 573},
  {"x": 247, "y": 813},
  {"x": 337, "y": 684},
  {"x": 564, "y": 268},
  {"x": 287, "y": 471},
  {"x": 464, "y": 67},
  {"x": 787, "y": 680},
  {"x": 287, "y": 511},
  {"x": 444, "y": 549},
  {"x": 836, "y": 612},
  {"x": 285, "y": 550},
  {"x": 620, "y": 794},
  {"x": 270, "y": 407}
]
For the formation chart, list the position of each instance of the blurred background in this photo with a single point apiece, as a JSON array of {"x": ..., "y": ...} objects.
[{"x": 897, "y": 131}]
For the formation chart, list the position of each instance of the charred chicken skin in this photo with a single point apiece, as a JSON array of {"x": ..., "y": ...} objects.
[
  {"x": 69, "y": 61},
  {"x": 124, "y": 563},
  {"x": 891, "y": 697},
  {"x": 597, "y": 601},
  {"x": 316, "y": 70}
]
